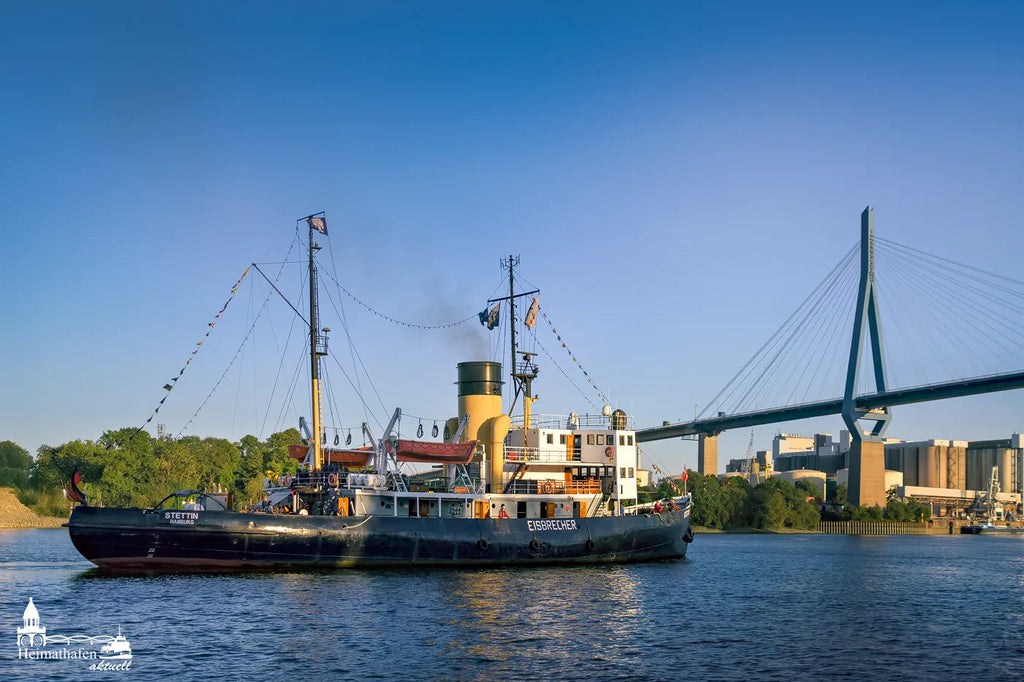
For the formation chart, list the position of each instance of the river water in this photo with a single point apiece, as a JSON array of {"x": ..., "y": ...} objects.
[{"x": 741, "y": 607}]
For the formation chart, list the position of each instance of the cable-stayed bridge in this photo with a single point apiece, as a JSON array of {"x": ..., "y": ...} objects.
[{"x": 965, "y": 321}]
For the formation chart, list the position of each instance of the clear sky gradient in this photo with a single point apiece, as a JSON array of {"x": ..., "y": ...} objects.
[{"x": 676, "y": 176}]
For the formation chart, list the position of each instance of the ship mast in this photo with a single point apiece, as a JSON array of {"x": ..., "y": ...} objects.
[
  {"x": 317, "y": 343},
  {"x": 521, "y": 376},
  {"x": 512, "y": 320}
]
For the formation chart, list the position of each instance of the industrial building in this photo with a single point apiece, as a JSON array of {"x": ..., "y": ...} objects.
[{"x": 953, "y": 476}]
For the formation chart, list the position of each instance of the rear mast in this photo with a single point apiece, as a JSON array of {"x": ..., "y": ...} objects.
[{"x": 317, "y": 343}]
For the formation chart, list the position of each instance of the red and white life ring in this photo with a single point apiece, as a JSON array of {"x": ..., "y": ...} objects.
[
  {"x": 608, "y": 452},
  {"x": 286, "y": 481},
  {"x": 332, "y": 479}
]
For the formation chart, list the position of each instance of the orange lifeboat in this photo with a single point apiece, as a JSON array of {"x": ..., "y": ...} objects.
[{"x": 346, "y": 457}]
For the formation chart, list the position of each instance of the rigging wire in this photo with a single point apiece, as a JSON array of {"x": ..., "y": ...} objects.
[
  {"x": 340, "y": 311},
  {"x": 567, "y": 377},
  {"x": 241, "y": 346},
  {"x": 357, "y": 363},
  {"x": 289, "y": 396},
  {"x": 413, "y": 325},
  {"x": 174, "y": 382},
  {"x": 572, "y": 356}
]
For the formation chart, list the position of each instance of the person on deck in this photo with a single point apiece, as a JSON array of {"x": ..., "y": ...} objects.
[
  {"x": 657, "y": 507},
  {"x": 502, "y": 514}
]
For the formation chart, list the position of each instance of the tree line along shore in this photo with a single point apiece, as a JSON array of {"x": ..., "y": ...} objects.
[{"x": 130, "y": 468}]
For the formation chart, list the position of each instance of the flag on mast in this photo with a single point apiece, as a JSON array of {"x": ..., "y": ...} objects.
[
  {"x": 490, "y": 319},
  {"x": 531, "y": 314},
  {"x": 72, "y": 491},
  {"x": 318, "y": 223}
]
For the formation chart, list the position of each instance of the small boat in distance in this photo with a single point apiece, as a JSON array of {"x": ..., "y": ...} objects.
[
  {"x": 991, "y": 529},
  {"x": 514, "y": 490}
]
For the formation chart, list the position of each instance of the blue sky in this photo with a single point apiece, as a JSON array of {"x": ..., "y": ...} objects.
[{"x": 676, "y": 177}]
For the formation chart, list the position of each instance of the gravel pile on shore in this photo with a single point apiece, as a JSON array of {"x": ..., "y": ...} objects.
[{"x": 13, "y": 514}]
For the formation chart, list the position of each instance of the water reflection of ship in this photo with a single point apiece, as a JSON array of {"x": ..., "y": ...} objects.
[
  {"x": 118, "y": 649},
  {"x": 554, "y": 614}
]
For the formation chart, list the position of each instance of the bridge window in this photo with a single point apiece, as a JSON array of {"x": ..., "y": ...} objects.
[
  {"x": 630, "y": 473},
  {"x": 590, "y": 439},
  {"x": 551, "y": 439},
  {"x": 561, "y": 438},
  {"x": 629, "y": 440},
  {"x": 622, "y": 439},
  {"x": 622, "y": 472},
  {"x": 600, "y": 439}
]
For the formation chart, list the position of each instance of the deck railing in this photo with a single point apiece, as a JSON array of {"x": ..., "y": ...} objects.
[
  {"x": 555, "y": 487},
  {"x": 521, "y": 454},
  {"x": 596, "y": 422}
]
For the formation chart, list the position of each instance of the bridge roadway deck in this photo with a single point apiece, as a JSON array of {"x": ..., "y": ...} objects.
[{"x": 866, "y": 402}]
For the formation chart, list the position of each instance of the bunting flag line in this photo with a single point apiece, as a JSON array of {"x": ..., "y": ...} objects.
[
  {"x": 169, "y": 386},
  {"x": 572, "y": 356}
]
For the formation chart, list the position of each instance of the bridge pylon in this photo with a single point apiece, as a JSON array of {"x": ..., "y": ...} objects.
[
  {"x": 707, "y": 454},
  {"x": 867, "y": 452}
]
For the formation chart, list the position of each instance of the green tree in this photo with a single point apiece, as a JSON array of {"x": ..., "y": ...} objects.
[
  {"x": 249, "y": 479},
  {"x": 275, "y": 452},
  {"x": 735, "y": 500},
  {"x": 809, "y": 489},
  {"x": 906, "y": 511},
  {"x": 853, "y": 513},
  {"x": 842, "y": 493},
  {"x": 777, "y": 503},
  {"x": 708, "y": 501},
  {"x": 14, "y": 465}
]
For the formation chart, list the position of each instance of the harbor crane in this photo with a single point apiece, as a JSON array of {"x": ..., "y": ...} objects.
[{"x": 750, "y": 468}]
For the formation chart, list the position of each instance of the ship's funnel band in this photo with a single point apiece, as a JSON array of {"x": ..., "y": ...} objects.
[{"x": 479, "y": 378}]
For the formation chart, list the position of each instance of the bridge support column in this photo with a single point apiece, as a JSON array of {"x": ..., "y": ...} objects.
[
  {"x": 866, "y": 485},
  {"x": 707, "y": 455}
]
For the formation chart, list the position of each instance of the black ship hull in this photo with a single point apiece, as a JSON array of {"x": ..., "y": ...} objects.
[{"x": 159, "y": 539}]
